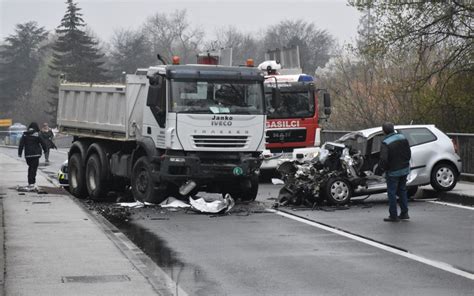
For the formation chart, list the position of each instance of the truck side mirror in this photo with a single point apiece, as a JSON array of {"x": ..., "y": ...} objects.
[
  {"x": 154, "y": 91},
  {"x": 156, "y": 98},
  {"x": 327, "y": 103},
  {"x": 276, "y": 96}
]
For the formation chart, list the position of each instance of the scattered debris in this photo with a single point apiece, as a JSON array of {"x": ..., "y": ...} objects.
[
  {"x": 276, "y": 181},
  {"x": 136, "y": 204},
  {"x": 26, "y": 188},
  {"x": 172, "y": 202},
  {"x": 214, "y": 206}
]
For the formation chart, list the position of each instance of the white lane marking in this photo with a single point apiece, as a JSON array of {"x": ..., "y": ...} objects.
[
  {"x": 451, "y": 205},
  {"x": 433, "y": 263}
]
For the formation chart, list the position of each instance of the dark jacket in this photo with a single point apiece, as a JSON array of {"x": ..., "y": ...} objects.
[
  {"x": 48, "y": 136},
  {"x": 32, "y": 143},
  {"x": 395, "y": 155}
]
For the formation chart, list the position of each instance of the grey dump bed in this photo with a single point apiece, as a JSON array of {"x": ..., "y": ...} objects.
[{"x": 99, "y": 110}]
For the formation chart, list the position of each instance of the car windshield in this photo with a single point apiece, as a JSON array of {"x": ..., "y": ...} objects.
[
  {"x": 229, "y": 97},
  {"x": 355, "y": 140},
  {"x": 292, "y": 104}
]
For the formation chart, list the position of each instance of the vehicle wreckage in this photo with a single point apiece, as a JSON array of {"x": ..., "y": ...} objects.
[{"x": 339, "y": 172}]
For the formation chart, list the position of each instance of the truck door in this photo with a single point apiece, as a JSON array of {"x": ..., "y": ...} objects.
[{"x": 154, "y": 118}]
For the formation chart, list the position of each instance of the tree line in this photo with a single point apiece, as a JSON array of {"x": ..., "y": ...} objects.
[{"x": 411, "y": 62}]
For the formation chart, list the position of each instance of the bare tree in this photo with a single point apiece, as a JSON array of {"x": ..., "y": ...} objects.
[
  {"x": 421, "y": 26},
  {"x": 315, "y": 45},
  {"x": 172, "y": 35},
  {"x": 244, "y": 45}
]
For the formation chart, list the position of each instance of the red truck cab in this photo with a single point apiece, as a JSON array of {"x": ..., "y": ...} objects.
[{"x": 293, "y": 130}]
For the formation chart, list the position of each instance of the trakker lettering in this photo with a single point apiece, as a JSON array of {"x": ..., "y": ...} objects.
[
  {"x": 283, "y": 123},
  {"x": 221, "y": 120},
  {"x": 230, "y": 132}
]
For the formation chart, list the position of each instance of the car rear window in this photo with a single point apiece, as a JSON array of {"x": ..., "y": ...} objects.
[{"x": 418, "y": 136}]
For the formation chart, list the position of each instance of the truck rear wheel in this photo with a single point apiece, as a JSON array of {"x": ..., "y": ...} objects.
[
  {"x": 143, "y": 187},
  {"x": 77, "y": 177},
  {"x": 96, "y": 185}
]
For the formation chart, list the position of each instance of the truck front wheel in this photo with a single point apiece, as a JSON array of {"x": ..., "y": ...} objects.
[
  {"x": 77, "y": 185},
  {"x": 249, "y": 190},
  {"x": 143, "y": 186}
]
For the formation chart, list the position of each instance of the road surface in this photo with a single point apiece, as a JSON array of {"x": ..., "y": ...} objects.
[{"x": 331, "y": 251}]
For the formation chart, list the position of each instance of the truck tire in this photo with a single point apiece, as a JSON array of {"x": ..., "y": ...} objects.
[
  {"x": 143, "y": 187},
  {"x": 443, "y": 177},
  {"x": 77, "y": 185},
  {"x": 249, "y": 193},
  {"x": 338, "y": 191},
  {"x": 96, "y": 185}
]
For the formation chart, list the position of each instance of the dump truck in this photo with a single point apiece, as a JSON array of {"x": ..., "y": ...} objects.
[{"x": 167, "y": 130}]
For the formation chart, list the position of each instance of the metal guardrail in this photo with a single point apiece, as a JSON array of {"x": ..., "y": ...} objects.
[{"x": 465, "y": 144}]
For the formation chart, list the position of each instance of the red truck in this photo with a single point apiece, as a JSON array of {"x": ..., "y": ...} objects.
[{"x": 293, "y": 116}]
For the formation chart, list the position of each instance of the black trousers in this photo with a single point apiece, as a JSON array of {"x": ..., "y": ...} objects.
[
  {"x": 46, "y": 154},
  {"x": 33, "y": 163}
]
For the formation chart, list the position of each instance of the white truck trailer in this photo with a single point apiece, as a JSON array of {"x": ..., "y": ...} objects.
[{"x": 175, "y": 129}]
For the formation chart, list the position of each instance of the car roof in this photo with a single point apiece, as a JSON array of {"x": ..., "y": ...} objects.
[{"x": 370, "y": 131}]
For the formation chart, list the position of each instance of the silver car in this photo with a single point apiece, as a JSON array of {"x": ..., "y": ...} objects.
[{"x": 434, "y": 159}]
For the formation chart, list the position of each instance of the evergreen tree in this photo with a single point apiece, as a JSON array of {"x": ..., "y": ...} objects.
[
  {"x": 76, "y": 54},
  {"x": 20, "y": 57}
]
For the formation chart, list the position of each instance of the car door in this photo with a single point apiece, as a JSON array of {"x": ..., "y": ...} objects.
[{"x": 422, "y": 149}]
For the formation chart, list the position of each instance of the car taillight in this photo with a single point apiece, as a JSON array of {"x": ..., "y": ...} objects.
[{"x": 455, "y": 145}]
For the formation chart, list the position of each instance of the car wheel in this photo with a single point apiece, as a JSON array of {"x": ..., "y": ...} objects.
[
  {"x": 143, "y": 186},
  {"x": 76, "y": 176},
  {"x": 338, "y": 191},
  {"x": 443, "y": 177},
  {"x": 96, "y": 186}
]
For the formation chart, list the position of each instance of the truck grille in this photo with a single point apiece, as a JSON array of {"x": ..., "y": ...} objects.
[
  {"x": 218, "y": 141},
  {"x": 286, "y": 136}
]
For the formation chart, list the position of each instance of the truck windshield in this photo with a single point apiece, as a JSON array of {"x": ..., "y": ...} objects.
[
  {"x": 230, "y": 97},
  {"x": 291, "y": 105}
]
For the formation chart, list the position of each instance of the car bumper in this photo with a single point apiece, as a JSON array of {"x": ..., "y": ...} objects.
[
  {"x": 174, "y": 168},
  {"x": 272, "y": 160}
]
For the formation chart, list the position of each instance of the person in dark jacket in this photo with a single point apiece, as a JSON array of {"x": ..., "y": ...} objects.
[
  {"x": 32, "y": 143},
  {"x": 395, "y": 157},
  {"x": 47, "y": 135}
]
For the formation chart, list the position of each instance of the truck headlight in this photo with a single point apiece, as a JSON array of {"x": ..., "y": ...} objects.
[{"x": 177, "y": 159}]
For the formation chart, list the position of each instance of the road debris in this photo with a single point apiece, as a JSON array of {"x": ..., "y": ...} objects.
[
  {"x": 172, "y": 202},
  {"x": 210, "y": 205}
]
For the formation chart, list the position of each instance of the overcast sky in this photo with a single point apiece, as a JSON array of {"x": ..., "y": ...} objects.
[{"x": 105, "y": 16}]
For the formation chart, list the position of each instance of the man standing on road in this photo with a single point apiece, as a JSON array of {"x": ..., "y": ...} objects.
[
  {"x": 395, "y": 157},
  {"x": 32, "y": 143},
  {"x": 47, "y": 135}
]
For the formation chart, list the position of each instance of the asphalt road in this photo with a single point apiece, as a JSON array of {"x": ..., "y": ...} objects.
[{"x": 321, "y": 252}]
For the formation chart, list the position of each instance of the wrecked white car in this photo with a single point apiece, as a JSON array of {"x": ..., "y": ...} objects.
[
  {"x": 335, "y": 175},
  {"x": 345, "y": 168}
]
